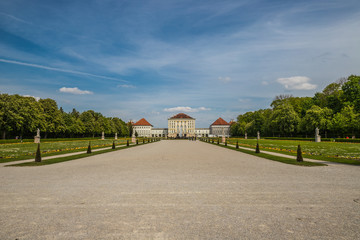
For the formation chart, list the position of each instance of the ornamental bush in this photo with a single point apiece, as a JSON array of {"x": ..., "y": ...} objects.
[
  {"x": 257, "y": 148},
  {"x": 237, "y": 144},
  {"x": 299, "y": 157},
  {"x": 127, "y": 143},
  {"x": 113, "y": 146},
  {"x": 89, "y": 149},
  {"x": 38, "y": 154}
]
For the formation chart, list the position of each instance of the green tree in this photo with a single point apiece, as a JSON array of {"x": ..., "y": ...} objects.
[
  {"x": 285, "y": 119},
  {"x": 53, "y": 121},
  {"x": 351, "y": 89},
  {"x": 9, "y": 117},
  {"x": 316, "y": 117}
]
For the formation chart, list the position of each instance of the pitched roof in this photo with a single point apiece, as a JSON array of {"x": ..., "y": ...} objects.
[
  {"x": 220, "y": 121},
  {"x": 142, "y": 122},
  {"x": 181, "y": 115}
]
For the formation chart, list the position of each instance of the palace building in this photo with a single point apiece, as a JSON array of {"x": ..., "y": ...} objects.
[{"x": 182, "y": 125}]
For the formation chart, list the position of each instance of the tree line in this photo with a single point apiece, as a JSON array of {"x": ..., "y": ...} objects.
[
  {"x": 21, "y": 116},
  {"x": 335, "y": 111}
]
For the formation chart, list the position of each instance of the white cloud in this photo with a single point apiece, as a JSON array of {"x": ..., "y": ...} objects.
[
  {"x": 186, "y": 109},
  {"x": 224, "y": 79},
  {"x": 297, "y": 83},
  {"x": 74, "y": 90},
  {"x": 126, "y": 86},
  {"x": 36, "y": 98}
]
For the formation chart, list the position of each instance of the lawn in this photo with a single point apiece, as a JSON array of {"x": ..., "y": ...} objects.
[
  {"x": 19, "y": 151},
  {"x": 329, "y": 151}
]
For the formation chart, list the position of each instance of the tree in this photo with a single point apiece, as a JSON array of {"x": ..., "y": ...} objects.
[
  {"x": 351, "y": 89},
  {"x": 9, "y": 117},
  {"x": 351, "y": 122},
  {"x": 337, "y": 123},
  {"x": 285, "y": 119},
  {"x": 316, "y": 117},
  {"x": 53, "y": 121}
]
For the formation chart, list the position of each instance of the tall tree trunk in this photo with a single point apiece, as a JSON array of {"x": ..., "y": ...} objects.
[
  {"x": 46, "y": 134},
  {"x": 4, "y": 134}
]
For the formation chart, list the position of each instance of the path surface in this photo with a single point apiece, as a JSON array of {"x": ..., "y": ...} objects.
[{"x": 179, "y": 190}]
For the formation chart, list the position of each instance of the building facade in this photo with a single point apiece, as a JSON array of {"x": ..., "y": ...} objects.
[
  {"x": 159, "y": 132},
  {"x": 220, "y": 128},
  {"x": 181, "y": 125},
  {"x": 202, "y": 132},
  {"x": 142, "y": 128}
]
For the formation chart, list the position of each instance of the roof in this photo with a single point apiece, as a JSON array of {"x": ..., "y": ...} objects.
[
  {"x": 142, "y": 122},
  {"x": 220, "y": 121},
  {"x": 181, "y": 115}
]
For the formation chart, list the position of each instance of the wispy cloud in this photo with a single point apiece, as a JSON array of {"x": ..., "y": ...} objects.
[
  {"x": 224, "y": 79},
  {"x": 58, "y": 69},
  {"x": 297, "y": 83},
  {"x": 186, "y": 109},
  {"x": 74, "y": 90},
  {"x": 126, "y": 86}
]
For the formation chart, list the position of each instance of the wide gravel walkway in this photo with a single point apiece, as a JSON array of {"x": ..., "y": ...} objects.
[{"x": 179, "y": 190}]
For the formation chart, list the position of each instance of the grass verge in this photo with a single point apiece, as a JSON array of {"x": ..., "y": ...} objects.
[
  {"x": 315, "y": 157},
  {"x": 273, "y": 158},
  {"x": 69, "y": 158}
]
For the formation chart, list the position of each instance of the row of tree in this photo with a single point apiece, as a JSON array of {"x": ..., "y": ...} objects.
[
  {"x": 335, "y": 111},
  {"x": 21, "y": 116}
]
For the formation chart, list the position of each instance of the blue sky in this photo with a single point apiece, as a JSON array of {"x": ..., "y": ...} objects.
[{"x": 153, "y": 59}]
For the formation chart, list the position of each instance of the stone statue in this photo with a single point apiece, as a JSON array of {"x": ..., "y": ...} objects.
[
  {"x": 317, "y": 136},
  {"x": 258, "y": 135},
  {"x": 223, "y": 135},
  {"x": 133, "y": 138},
  {"x": 115, "y": 136},
  {"x": 37, "y": 137},
  {"x": 245, "y": 135},
  {"x": 102, "y": 136}
]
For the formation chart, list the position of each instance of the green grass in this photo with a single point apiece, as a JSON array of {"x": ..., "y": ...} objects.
[
  {"x": 272, "y": 157},
  {"x": 347, "y": 153},
  {"x": 69, "y": 158},
  {"x": 22, "y": 151}
]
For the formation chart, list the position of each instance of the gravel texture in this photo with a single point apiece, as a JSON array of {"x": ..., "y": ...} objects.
[{"x": 179, "y": 190}]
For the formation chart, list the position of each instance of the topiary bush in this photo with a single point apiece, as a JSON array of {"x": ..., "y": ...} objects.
[
  {"x": 137, "y": 142},
  {"x": 89, "y": 149},
  {"x": 237, "y": 144},
  {"x": 127, "y": 143},
  {"x": 113, "y": 146},
  {"x": 299, "y": 157},
  {"x": 257, "y": 148},
  {"x": 225, "y": 142},
  {"x": 38, "y": 154}
]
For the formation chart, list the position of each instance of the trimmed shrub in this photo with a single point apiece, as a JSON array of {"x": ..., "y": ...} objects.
[
  {"x": 113, "y": 146},
  {"x": 225, "y": 142},
  {"x": 89, "y": 149},
  {"x": 38, "y": 154},
  {"x": 143, "y": 140},
  {"x": 218, "y": 142},
  {"x": 127, "y": 143},
  {"x": 137, "y": 142},
  {"x": 299, "y": 157},
  {"x": 257, "y": 148},
  {"x": 237, "y": 144}
]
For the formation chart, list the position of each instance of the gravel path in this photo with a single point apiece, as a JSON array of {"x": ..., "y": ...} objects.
[{"x": 179, "y": 190}]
